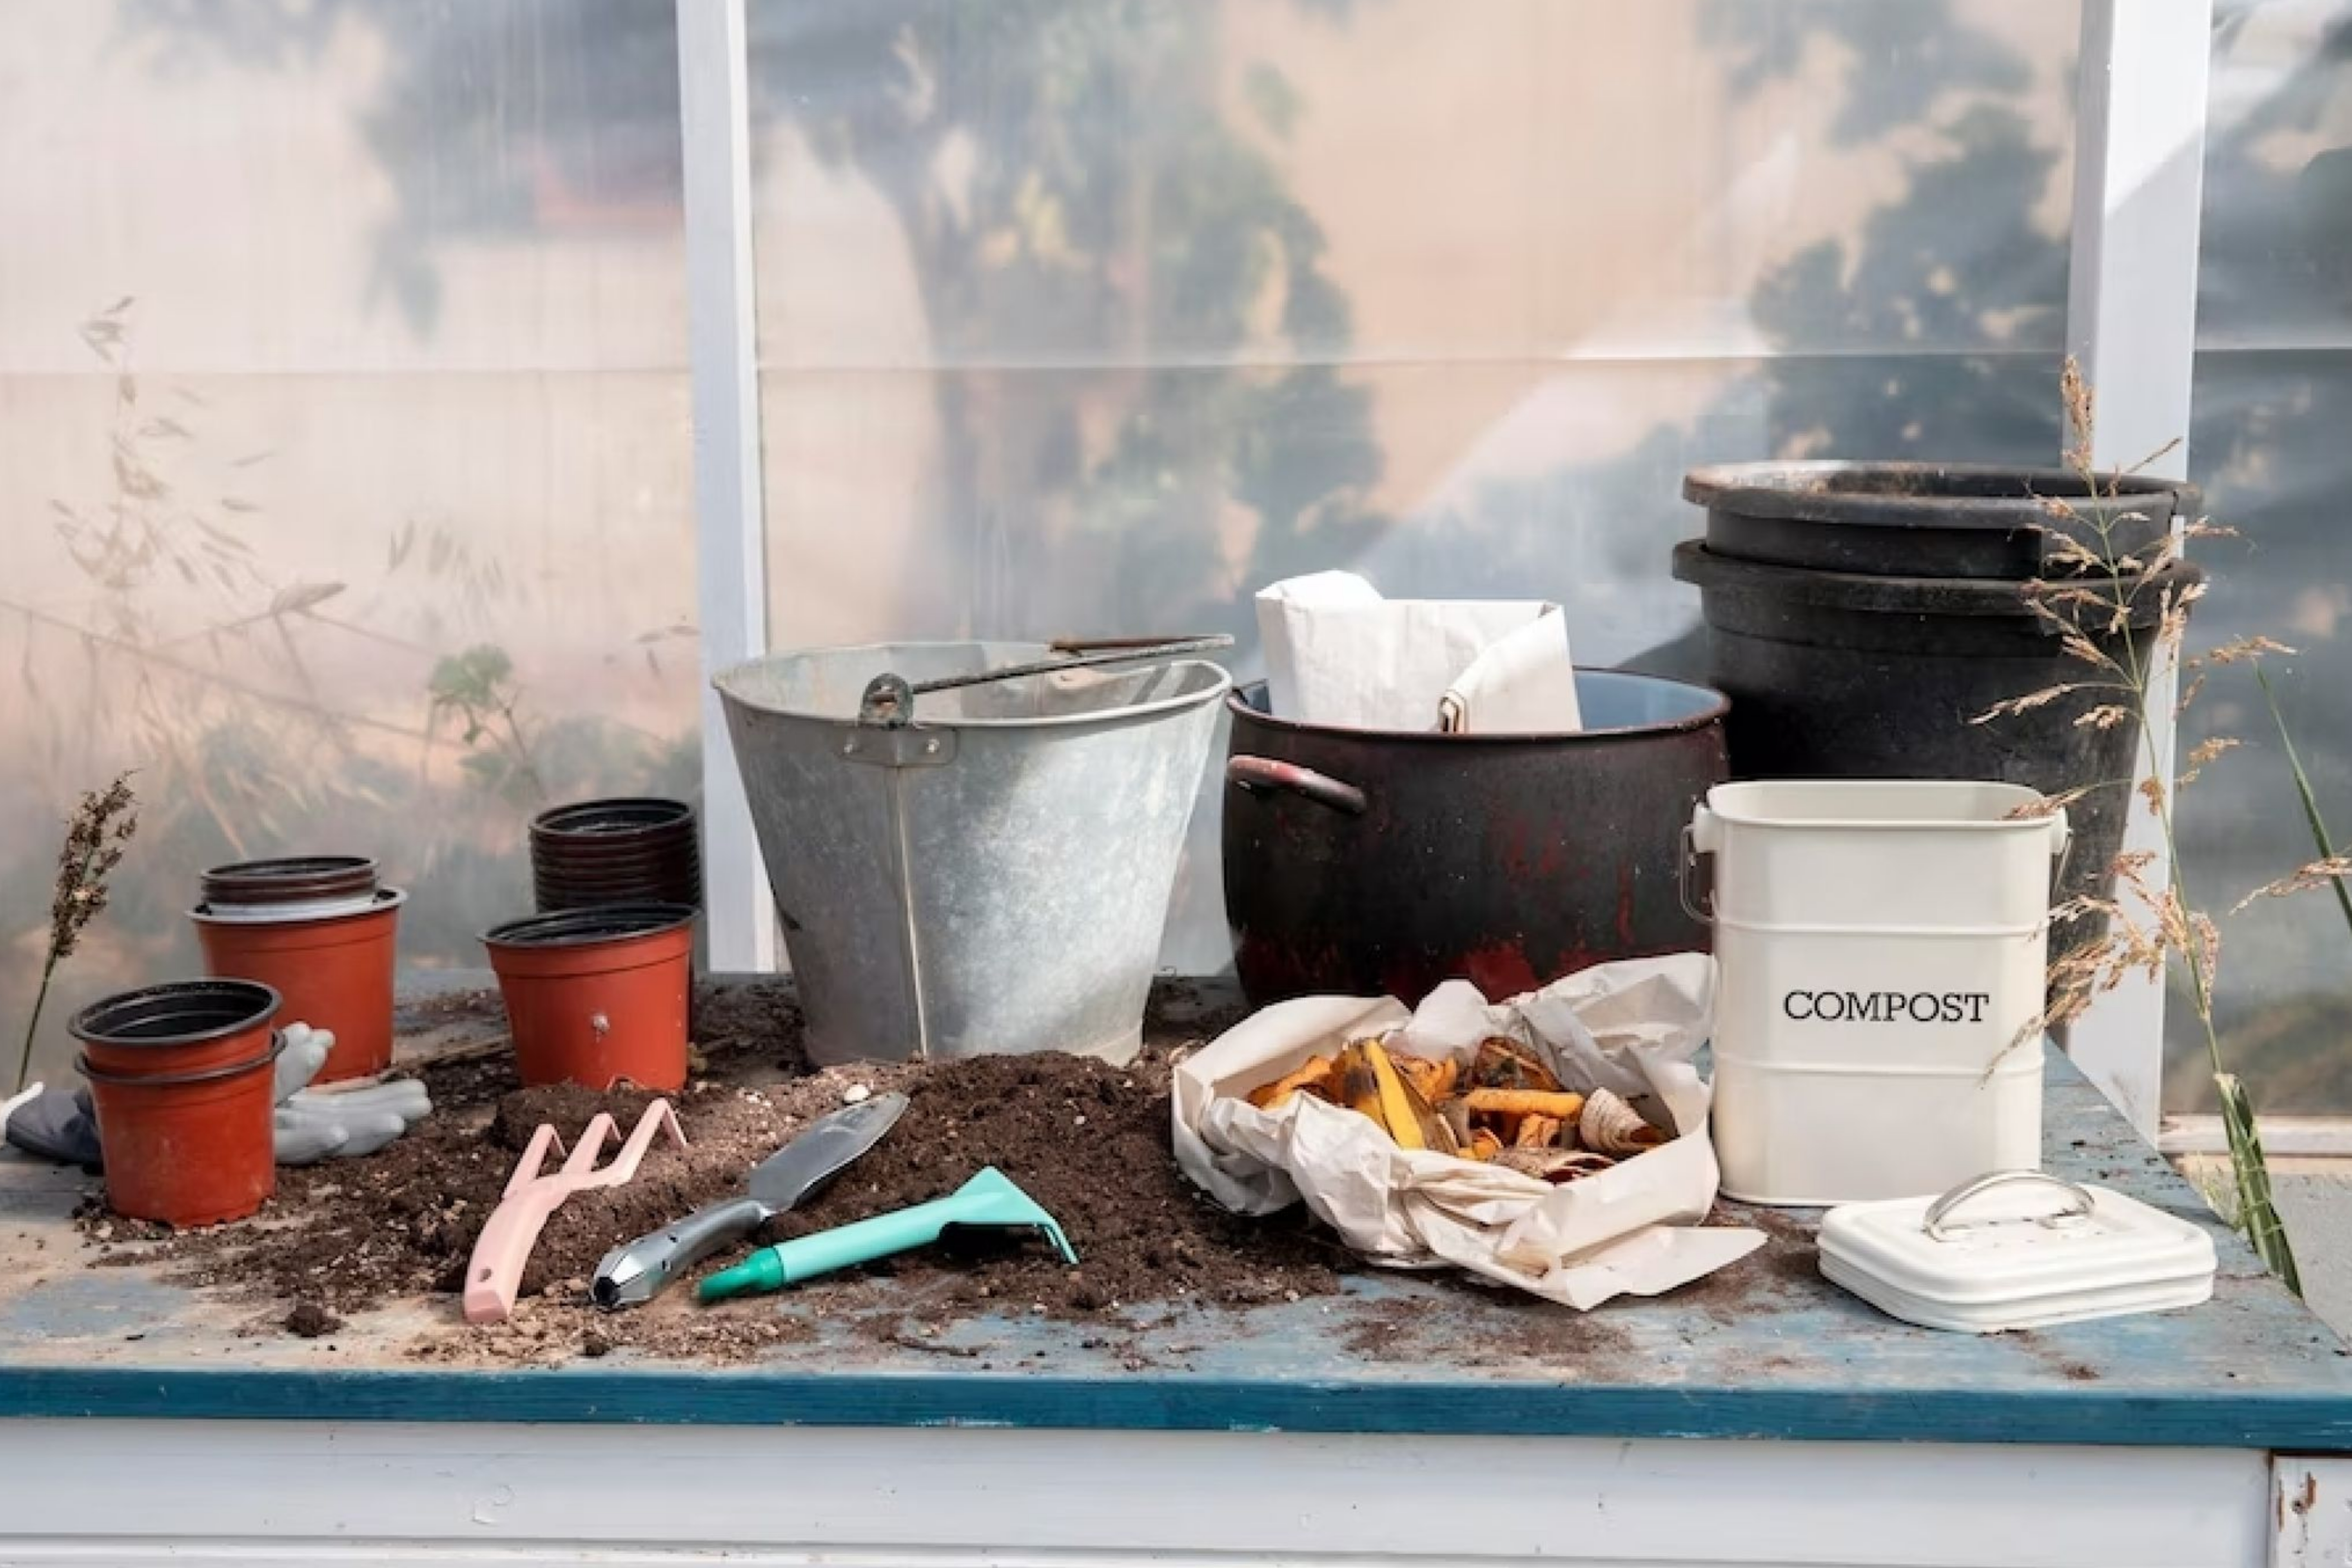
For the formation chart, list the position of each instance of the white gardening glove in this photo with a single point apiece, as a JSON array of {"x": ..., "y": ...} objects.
[{"x": 316, "y": 1124}]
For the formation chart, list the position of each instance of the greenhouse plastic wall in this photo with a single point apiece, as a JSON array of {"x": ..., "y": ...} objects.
[
  {"x": 2272, "y": 402},
  {"x": 1080, "y": 319},
  {"x": 366, "y": 521},
  {"x": 344, "y": 449}
]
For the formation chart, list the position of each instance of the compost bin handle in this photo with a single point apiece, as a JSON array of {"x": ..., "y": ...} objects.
[
  {"x": 1698, "y": 839},
  {"x": 2062, "y": 851},
  {"x": 1937, "y": 1221},
  {"x": 1255, "y": 773}
]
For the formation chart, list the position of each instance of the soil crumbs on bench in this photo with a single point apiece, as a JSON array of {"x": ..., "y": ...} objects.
[{"x": 1087, "y": 1141}]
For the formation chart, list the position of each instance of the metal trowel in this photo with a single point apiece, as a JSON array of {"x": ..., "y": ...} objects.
[{"x": 636, "y": 1272}]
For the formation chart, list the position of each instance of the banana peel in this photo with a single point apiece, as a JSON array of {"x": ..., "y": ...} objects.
[
  {"x": 1396, "y": 1110},
  {"x": 1313, "y": 1077},
  {"x": 1355, "y": 1085},
  {"x": 1433, "y": 1080},
  {"x": 1410, "y": 1118}
]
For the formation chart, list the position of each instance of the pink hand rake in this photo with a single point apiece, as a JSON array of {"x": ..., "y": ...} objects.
[{"x": 494, "y": 1274}]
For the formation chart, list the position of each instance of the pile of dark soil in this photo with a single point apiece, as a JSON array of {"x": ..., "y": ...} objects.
[{"x": 1088, "y": 1142}]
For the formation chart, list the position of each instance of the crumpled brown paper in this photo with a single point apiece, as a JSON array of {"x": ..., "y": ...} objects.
[{"x": 1632, "y": 1026}]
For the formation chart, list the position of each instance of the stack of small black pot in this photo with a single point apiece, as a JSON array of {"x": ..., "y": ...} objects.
[
  {"x": 1863, "y": 617},
  {"x": 628, "y": 851}
]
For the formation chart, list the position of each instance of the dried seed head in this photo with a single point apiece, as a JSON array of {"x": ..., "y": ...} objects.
[
  {"x": 2317, "y": 874},
  {"x": 95, "y": 834},
  {"x": 2082, "y": 414},
  {"x": 2244, "y": 649},
  {"x": 2206, "y": 750}
]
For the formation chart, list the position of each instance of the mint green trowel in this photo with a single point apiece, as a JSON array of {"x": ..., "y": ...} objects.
[{"x": 989, "y": 1199}]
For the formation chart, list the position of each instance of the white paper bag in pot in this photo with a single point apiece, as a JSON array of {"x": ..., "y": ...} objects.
[
  {"x": 1337, "y": 653},
  {"x": 1632, "y": 1027}
]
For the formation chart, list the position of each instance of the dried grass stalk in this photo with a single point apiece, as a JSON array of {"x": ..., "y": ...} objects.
[
  {"x": 95, "y": 835},
  {"x": 2152, "y": 926}
]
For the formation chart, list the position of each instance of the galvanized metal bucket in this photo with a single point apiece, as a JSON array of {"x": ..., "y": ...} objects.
[{"x": 987, "y": 874}]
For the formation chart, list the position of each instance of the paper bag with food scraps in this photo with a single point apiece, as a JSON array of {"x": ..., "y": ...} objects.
[{"x": 1556, "y": 1142}]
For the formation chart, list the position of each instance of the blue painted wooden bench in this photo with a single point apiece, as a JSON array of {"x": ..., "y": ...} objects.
[{"x": 1761, "y": 1415}]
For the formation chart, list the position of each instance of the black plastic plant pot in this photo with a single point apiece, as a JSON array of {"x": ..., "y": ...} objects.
[
  {"x": 1930, "y": 520},
  {"x": 176, "y": 1013},
  {"x": 685, "y": 860},
  {"x": 309, "y": 878},
  {"x": 591, "y": 820},
  {"x": 622, "y": 851},
  {"x": 1834, "y": 675},
  {"x": 577, "y": 927}
]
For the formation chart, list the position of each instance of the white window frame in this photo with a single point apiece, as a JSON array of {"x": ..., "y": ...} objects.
[
  {"x": 730, "y": 525},
  {"x": 2131, "y": 321}
]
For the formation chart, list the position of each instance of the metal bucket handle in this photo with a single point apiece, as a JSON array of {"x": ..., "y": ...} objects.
[{"x": 889, "y": 700}]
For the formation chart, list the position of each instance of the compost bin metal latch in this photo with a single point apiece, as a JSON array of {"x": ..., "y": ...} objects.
[{"x": 886, "y": 734}]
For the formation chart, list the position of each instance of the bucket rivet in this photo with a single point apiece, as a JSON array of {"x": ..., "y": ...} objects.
[
  {"x": 930, "y": 748},
  {"x": 849, "y": 748}
]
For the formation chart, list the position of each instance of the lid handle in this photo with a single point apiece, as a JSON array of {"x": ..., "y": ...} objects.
[{"x": 2078, "y": 1207}]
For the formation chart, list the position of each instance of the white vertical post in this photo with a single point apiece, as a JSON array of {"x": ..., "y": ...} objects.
[
  {"x": 2131, "y": 321},
  {"x": 731, "y": 571}
]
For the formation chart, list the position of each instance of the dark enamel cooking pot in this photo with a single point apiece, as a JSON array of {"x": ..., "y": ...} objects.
[{"x": 1368, "y": 861}]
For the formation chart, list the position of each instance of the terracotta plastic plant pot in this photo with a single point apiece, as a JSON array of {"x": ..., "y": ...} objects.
[
  {"x": 333, "y": 971},
  {"x": 594, "y": 996},
  {"x": 180, "y": 1076}
]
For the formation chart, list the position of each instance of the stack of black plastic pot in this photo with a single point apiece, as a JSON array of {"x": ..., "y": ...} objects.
[
  {"x": 626, "y": 851},
  {"x": 1863, "y": 616}
]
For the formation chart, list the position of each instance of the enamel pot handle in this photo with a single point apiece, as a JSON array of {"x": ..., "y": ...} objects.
[{"x": 1264, "y": 776}]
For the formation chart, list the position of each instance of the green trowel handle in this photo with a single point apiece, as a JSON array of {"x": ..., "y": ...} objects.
[{"x": 844, "y": 1247}]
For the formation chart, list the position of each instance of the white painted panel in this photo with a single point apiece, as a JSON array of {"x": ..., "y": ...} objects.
[
  {"x": 731, "y": 572},
  {"x": 2311, "y": 1513},
  {"x": 939, "y": 1496},
  {"x": 2131, "y": 319}
]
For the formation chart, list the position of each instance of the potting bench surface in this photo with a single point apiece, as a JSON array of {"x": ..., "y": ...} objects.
[{"x": 1765, "y": 1348}]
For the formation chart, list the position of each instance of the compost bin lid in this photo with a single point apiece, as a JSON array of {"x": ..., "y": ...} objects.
[{"x": 2015, "y": 1249}]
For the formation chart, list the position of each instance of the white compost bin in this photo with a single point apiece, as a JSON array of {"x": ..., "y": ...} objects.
[{"x": 1882, "y": 947}]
